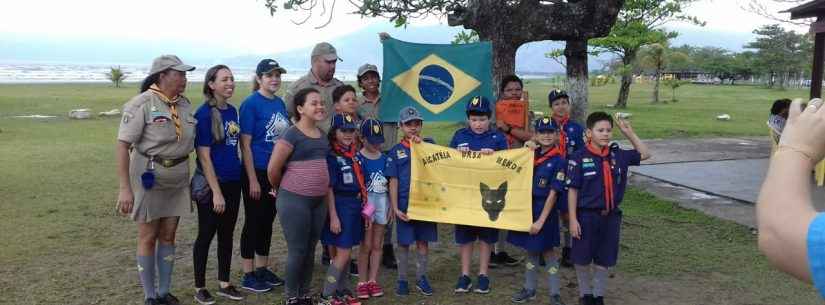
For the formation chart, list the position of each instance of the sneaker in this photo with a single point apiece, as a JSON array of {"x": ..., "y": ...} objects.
[
  {"x": 555, "y": 300},
  {"x": 230, "y": 293},
  {"x": 483, "y": 284},
  {"x": 204, "y": 297},
  {"x": 493, "y": 260},
  {"x": 294, "y": 301},
  {"x": 252, "y": 283},
  {"x": 168, "y": 299},
  {"x": 523, "y": 295},
  {"x": 565, "y": 258},
  {"x": 507, "y": 260},
  {"x": 587, "y": 299},
  {"x": 150, "y": 301},
  {"x": 329, "y": 300},
  {"x": 403, "y": 288},
  {"x": 464, "y": 284},
  {"x": 375, "y": 289},
  {"x": 353, "y": 268},
  {"x": 388, "y": 257},
  {"x": 598, "y": 300},
  {"x": 363, "y": 290},
  {"x": 424, "y": 286},
  {"x": 346, "y": 298},
  {"x": 269, "y": 277}
]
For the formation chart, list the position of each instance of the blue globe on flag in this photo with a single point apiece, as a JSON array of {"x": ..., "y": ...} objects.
[{"x": 435, "y": 83}]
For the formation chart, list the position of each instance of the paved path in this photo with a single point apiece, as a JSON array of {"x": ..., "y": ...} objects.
[{"x": 719, "y": 176}]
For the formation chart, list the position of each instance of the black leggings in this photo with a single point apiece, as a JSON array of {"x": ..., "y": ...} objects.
[
  {"x": 223, "y": 224},
  {"x": 256, "y": 236}
]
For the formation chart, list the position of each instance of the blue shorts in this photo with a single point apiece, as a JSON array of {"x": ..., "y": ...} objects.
[
  {"x": 548, "y": 236},
  {"x": 352, "y": 224},
  {"x": 467, "y": 234},
  {"x": 599, "y": 242},
  {"x": 414, "y": 230}
]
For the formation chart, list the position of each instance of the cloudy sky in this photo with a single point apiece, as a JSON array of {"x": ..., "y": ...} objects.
[{"x": 243, "y": 26}]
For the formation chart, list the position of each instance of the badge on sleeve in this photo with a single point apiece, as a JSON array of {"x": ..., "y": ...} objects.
[
  {"x": 560, "y": 176},
  {"x": 542, "y": 182},
  {"x": 126, "y": 117}
]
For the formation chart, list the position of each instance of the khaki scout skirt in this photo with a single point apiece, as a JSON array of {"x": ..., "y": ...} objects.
[{"x": 169, "y": 196}]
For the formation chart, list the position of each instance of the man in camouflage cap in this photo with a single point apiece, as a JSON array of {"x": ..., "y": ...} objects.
[{"x": 321, "y": 77}]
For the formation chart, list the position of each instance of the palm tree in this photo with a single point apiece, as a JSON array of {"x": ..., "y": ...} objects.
[{"x": 116, "y": 75}]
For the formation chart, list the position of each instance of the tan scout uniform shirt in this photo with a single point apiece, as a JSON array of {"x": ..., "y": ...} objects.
[
  {"x": 308, "y": 81},
  {"x": 370, "y": 111},
  {"x": 147, "y": 124}
]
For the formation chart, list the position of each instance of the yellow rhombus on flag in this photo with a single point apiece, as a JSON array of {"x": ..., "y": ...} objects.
[{"x": 469, "y": 188}]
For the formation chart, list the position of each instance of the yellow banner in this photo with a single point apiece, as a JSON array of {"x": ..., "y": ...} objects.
[{"x": 469, "y": 188}]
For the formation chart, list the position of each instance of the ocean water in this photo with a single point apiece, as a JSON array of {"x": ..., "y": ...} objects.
[{"x": 11, "y": 73}]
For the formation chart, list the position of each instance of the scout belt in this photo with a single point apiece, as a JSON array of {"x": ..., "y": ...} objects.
[{"x": 167, "y": 162}]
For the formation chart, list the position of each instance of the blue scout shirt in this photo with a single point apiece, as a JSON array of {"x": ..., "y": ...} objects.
[
  {"x": 374, "y": 177},
  {"x": 265, "y": 120},
  {"x": 549, "y": 175},
  {"x": 224, "y": 155},
  {"x": 816, "y": 252},
  {"x": 584, "y": 173},
  {"x": 398, "y": 166},
  {"x": 342, "y": 177},
  {"x": 575, "y": 136},
  {"x": 465, "y": 137}
]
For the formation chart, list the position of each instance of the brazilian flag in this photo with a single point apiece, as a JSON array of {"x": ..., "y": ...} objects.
[{"x": 436, "y": 79}]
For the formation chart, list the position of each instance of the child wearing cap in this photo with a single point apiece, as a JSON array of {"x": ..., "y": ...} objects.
[
  {"x": 597, "y": 178},
  {"x": 263, "y": 119},
  {"x": 476, "y": 137},
  {"x": 543, "y": 238},
  {"x": 373, "y": 161},
  {"x": 347, "y": 195},
  {"x": 571, "y": 139},
  {"x": 408, "y": 230}
]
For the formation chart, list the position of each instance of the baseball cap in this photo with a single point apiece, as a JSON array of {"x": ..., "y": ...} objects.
[
  {"x": 164, "y": 62},
  {"x": 268, "y": 65},
  {"x": 409, "y": 113},
  {"x": 544, "y": 124},
  {"x": 326, "y": 50},
  {"x": 478, "y": 104},
  {"x": 371, "y": 130},
  {"x": 343, "y": 121},
  {"x": 556, "y": 94},
  {"x": 366, "y": 68}
]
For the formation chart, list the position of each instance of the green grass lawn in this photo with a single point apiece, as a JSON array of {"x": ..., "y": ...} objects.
[{"x": 64, "y": 244}]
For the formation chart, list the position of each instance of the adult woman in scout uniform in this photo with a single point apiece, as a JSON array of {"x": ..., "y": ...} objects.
[{"x": 155, "y": 138}]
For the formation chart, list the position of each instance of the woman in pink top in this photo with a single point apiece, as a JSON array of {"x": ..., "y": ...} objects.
[{"x": 298, "y": 173}]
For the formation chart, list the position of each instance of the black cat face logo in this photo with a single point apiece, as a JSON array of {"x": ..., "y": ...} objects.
[{"x": 493, "y": 200}]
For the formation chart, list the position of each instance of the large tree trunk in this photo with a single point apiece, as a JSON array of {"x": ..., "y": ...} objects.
[
  {"x": 575, "y": 54},
  {"x": 504, "y": 61}
]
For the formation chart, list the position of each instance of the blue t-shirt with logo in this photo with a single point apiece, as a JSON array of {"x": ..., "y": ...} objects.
[
  {"x": 374, "y": 177},
  {"x": 265, "y": 120},
  {"x": 224, "y": 154}
]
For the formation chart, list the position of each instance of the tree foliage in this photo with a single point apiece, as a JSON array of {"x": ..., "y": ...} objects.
[
  {"x": 638, "y": 25},
  {"x": 116, "y": 75}
]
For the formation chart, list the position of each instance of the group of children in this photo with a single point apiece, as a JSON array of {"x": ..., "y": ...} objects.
[{"x": 578, "y": 181}]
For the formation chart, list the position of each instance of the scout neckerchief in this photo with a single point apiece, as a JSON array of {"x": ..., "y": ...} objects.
[
  {"x": 549, "y": 154},
  {"x": 562, "y": 124},
  {"x": 349, "y": 152},
  {"x": 405, "y": 143},
  {"x": 607, "y": 175},
  {"x": 172, "y": 103}
]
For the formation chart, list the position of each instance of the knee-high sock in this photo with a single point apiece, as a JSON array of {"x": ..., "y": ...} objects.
[
  {"x": 403, "y": 255},
  {"x": 331, "y": 280},
  {"x": 553, "y": 275},
  {"x": 146, "y": 272},
  {"x": 530, "y": 273},
  {"x": 421, "y": 265},
  {"x": 585, "y": 279},
  {"x": 599, "y": 281},
  {"x": 165, "y": 259}
]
